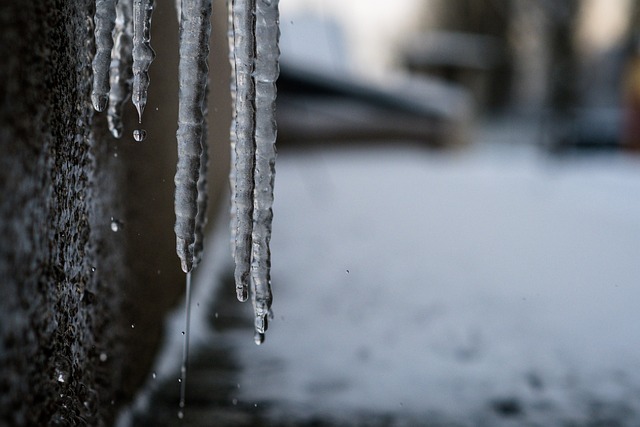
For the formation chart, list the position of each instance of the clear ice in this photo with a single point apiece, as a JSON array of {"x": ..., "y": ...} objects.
[
  {"x": 254, "y": 52},
  {"x": 266, "y": 74},
  {"x": 244, "y": 49},
  {"x": 143, "y": 54},
  {"x": 121, "y": 72},
  {"x": 104, "y": 21},
  {"x": 232, "y": 128},
  {"x": 203, "y": 199},
  {"x": 195, "y": 28}
]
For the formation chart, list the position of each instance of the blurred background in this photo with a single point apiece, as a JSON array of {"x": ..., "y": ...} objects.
[
  {"x": 456, "y": 227},
  {"x": 569, "y": 65}
]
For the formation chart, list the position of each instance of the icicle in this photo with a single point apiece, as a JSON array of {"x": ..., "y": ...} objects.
[
  {"x": 244, "y": 48},
  {"x": 121, "y": 73},
  {"x": 266, "y": 74},
  {"x": 232, "y": 129},
  {"x": 143, "y": 54},
  {"x": 179, "y": 10},
  {"x": 195, "y": 28},
  {"x": 104, "y": 22},
  {"x": 203, "y": 199}
]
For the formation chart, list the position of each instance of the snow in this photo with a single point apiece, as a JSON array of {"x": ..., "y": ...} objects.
[
  {"x": 493, "y": 287},
  {"x": 412, "y": 282}
]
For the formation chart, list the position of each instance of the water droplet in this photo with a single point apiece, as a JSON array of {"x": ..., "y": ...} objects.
[
  {"x": 216, "y": 315},
  {"x": 139, "y": 135},
  {"x": 103, "y": 357},
  {"x": 116, "y": 225},
  {"x": 153, "y": 375},
  {"x": 179, "y": 380},
  {"x": 93, "y": 269},
  {"x": 180, "y": 414},
  {"x": 255, "y": 405},
  {"x": 234, "y": 402},
  {"x": 133, "y": 325},
  {"x": 348, "y": 272},
  {"x": 60, "y": 378},
  {"x": 182, "y": 332},
  {"x": 115, "y": 154}
]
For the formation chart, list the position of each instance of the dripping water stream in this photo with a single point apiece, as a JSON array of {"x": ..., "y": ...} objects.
[{"x": 185, "y": 345}]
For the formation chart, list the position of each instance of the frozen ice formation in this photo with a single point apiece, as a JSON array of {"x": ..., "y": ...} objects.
[
  {"x": 265, "y": 75},
  {"x": 120, "y": 71},
  {"x": 104, "y": 21},
  {"x": 143, "y": 54},
  {"x": 195, "y": 28},
  {"x": 255, "y": 52}
]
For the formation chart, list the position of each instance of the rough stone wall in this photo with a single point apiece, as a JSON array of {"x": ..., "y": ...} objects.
[
  {"x": 59, "y": 275},
  {"x": 70, "y": 288}
]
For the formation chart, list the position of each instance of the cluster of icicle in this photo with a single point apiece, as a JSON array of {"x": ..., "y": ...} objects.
[
  {"x": 122, "y": 59},
  {"x": 121, "y": 64}
]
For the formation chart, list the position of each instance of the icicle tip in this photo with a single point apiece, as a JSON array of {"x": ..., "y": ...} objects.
[
  {"x": 140, "y": 107},
  {"x": 242, "y": 293},
  {"x": 186, "y": 266},
  {"x": 258, "y": 338},
  {"x": 99, "y": 102}
]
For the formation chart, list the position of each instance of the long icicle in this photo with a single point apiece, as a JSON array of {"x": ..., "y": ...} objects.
[
  {"x": 143, "y": 54},
  {"x": 232, "y": 129},
  {"x": 244, "y": 30},
  {"x": 202, "y": 185},
  {"x": 104, "y": 21},
  {"x": 266, "y": 74},
  {"x": 195, "y": 28},
  {"x": 121, "y": 72}
]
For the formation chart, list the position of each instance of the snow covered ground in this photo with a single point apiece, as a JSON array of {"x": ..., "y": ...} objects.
[{"x": 491, "y": 287}]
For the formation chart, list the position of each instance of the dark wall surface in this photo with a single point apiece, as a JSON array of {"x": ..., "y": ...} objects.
[
  {"x": 81, "y": 305},
  {"x": 60, "y": 277}
]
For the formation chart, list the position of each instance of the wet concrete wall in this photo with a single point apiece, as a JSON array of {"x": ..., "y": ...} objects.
[{"x": 81, "y": 305}]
